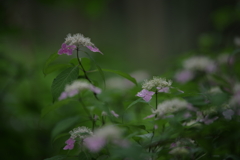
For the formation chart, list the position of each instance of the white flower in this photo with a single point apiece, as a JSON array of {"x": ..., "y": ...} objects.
[
  {"x": 199, "y": 63},
  {"x": 77, "y": 85},
  {"x": 81, "y": 132},
  {"x": 108, "y": 131},
  {"x": 155, "y": 83},
  {"x": 78, "y": 39},
  {"x": 170, "y": 106}
]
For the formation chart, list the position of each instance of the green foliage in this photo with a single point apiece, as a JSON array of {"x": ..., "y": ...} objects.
[{"x": 64, "y": 78}]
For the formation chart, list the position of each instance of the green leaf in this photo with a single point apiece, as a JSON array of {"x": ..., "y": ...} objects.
[
  {"x": 134, "y": 102},
  {"x": 54, "y": 106},
  {"x": 125, "y": 75},
  {"x": 55, "y": 67},
  {"x": 60, "y": 136},
  {"x": 84, "y": 156},
  {"x": 99, "y": 69},
  {"x": 86, "y": 62},
  {"x": 50, "y": 59},
  {"x": 63, "y": 125},
  {"x": 64, "y": 78},
  {"x": 58, "y": 157}
]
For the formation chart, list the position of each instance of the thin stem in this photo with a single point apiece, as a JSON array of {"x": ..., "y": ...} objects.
[
  {"x": 85, "y": 74},
  {"x": 84, "y": 71},
  {"x": 85, "y": 109}
]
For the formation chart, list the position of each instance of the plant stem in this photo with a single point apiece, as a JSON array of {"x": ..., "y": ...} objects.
[{"x": 84, "y": 71}]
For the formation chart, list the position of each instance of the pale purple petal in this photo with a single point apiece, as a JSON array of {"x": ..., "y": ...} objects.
[
  {"x": 62, "y": 96},
  {"x": 211, "y": 68},
  {"x": 155, "y": 126},
  {"x": 184, "y": 76},
  {"x": 207, "y": 121},
  {"x": 147, "y": 98},
  {"x": 70, "y": 144},
  {"x": 94, "y": 49},
  {"x": 187, "y": 115},
  {"x": 228, "y": 114},
  {"x": 145, "y": 94},
  {"x": 64, "y": 45},
  {"x": 150, "y": 116},
  {"x": 73, "y": 92},
  {"x": 94, "y": 144},
  {"x": 114, "y": 114},
  {"x": 165, "y": 89},
  {"x": 95, "y": 89}
]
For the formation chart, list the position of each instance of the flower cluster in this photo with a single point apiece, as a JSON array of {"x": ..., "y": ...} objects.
[
  {"x": 170, "y": 106},
  {"x": 66, "y": 49},
  {"x": 77, "y": 40},
  {"x": 193, "y": 64},
  {"x": 97, "y": 140},
  {"x": 79, "y": 132},
  {"x": 156, "y": 84},
  {"x": 75, "y": 87}
]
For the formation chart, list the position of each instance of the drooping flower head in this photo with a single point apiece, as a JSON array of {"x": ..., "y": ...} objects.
[
  {"x": 79, "y": 40},
  {"x": 80, "y": 132},
  {"x": 156, "y": 83},
  {"x": 151, "y": 86},
  {"x": 170, "y": 106},
  {"x": 77, "y": 133},
  {"x": 70, "y": 144},
  {"x": 76, "y": 86},
  {"x": 200, "y": 63},
  {"x": 101, "y": 136}
]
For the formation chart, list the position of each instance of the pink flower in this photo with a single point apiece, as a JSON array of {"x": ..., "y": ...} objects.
[
  {"x": 150, "y": 116},
  {"x": 114, "y": 114},
  {"x": 70, "y": 144},
  {"x": 184, "y": 76},
  {"x": 63, "y": 96},
  {"x": 66, "y": 49},
  {"x": 95, "y": 89},
  {"x": 94, "y": 49},
  {"x": 94, "y": 144},
  {"x": 165, "y": 89},
  {"x": 146, "y": 95}
]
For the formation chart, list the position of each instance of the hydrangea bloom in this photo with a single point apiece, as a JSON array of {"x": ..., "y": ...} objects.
[
  {"x": 170, "y": 106},
  {"x": 184, "y": 76},
  {"x": 79, "y": 40},
  {"x": 200, "y": 63},
  {"x": 101, "y": 136},
  {"x": 156, "y": 83},
  {"x": 70, "y": 144},
  {"x": 66, "y": 49},
  {"x": 94, "y": 144},
  {"x": 146, "y": 95},
  {"x": 81, "y": 132},
  {"x": 75, "y": 87}
]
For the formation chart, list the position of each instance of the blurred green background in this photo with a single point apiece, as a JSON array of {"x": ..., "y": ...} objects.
[{"x": 132, "y": 34}]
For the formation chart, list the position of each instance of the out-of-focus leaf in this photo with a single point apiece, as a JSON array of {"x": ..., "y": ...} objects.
[
  {"x": 50, "y": 59},
  {"x": 63, "y": 125},
  {"x": 84, "y": 156},
  {"x": 60, "y": 136},
  {"x": 64, "y": 78},
  {"x": 55, "y": 67},
  {"x": 218, "y": 99},
  {"x": 54, "y": 106},
  {"x": 134, "y": 102},
  {"x": 125, "y": 75},
  {"x": 86, "y": 62},
  {"x": 58, "y": 157},
  {"x": 98, "y": 68}
]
